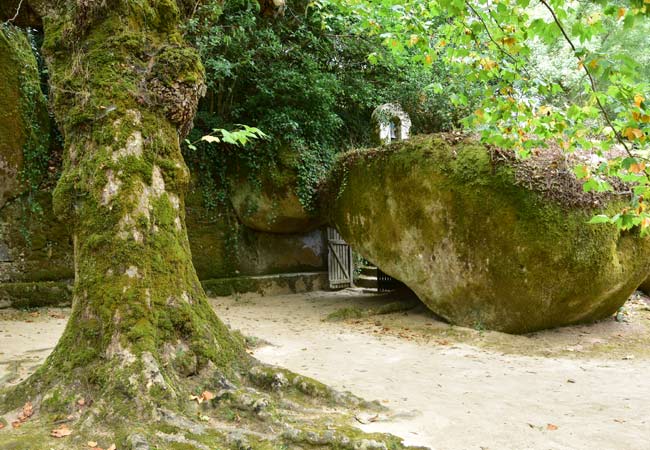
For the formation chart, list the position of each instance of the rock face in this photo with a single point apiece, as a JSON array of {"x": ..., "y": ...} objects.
[
  {"x": 476, "y": 246},
  {"x": 24, "y": 123},
  {"x": 276, "y": 211}
]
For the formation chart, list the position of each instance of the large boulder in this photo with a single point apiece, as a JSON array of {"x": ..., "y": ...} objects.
[
  {"x": 266, "y": 199},
  {"x": 272, "y": 210},
  {"x": 482, "y": 241}
]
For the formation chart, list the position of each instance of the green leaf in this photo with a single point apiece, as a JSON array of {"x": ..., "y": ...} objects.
[{"x": 601, "y": 218}]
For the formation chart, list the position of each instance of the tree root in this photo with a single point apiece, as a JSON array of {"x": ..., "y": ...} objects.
[{"x": 264, "y": 407}]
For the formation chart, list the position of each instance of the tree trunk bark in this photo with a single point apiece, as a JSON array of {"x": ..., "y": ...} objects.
[
  {"x": 142, "y": 337},
  {"x": 124, "y": 90}
]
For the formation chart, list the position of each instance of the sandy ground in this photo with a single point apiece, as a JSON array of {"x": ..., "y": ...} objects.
[{"x": 584, "y": 387}]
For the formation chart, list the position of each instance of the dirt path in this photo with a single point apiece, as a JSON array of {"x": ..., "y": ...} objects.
[
  {"x": 453, "y": 388},
  {"x": 446, "y": 387}
]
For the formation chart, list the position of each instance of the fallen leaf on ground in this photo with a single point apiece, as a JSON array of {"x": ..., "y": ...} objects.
[
  {"x": 91, "y": 444},
  {"x": 551, "y": 427},
  {"x": 204, "y": 397},
  {"x": 207, "y": 395},
  {"x": 25, "y": 414},
  {"x": 112, "y": 447},
  {"x": 61, "y": 432}
]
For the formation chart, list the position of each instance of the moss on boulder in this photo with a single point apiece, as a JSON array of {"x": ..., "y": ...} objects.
[
  {"x": 478, "y": 247},
  {"x": 277, "y": 211},
  {"x": 34, "y": 245},
  {"x": 33, "y": 295},
  {"x": 266, "y": 199},
  {"x": 24, "y": 121}
]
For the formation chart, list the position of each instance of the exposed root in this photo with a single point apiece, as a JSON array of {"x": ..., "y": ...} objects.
[{"x": 264, "y": 407}]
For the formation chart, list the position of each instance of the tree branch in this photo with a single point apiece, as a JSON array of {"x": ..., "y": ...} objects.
[
  {"x": 592, "y": 82},
  {"x": 15, "y": 15}
]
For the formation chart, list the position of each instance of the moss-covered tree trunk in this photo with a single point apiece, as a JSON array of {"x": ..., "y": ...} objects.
[
  {"x": 124, "y": 90},
  {"x": 142, "y": 336}
]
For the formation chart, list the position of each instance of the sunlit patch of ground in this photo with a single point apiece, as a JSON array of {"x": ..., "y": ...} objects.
[{"x": 581, "y": 387}]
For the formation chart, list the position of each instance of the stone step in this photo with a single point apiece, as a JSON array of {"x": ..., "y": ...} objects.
[
  {"x": 370, "y": 271},
  {"x": 366, "y": 281}
]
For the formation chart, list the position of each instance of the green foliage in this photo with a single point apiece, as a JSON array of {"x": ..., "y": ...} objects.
[
  {"x": 559, "y": 72},
  {"x": 305, "y": 82}
]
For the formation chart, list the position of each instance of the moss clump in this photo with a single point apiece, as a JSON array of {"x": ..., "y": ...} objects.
[
  {"x": 359, "y": 313},
  {"x": 478, "y": 248},
  {"x": 35, "y": 295},
  {"x": 38, "y": 246}
]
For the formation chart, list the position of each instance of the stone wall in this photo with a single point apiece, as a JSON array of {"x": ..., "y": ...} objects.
[
  {"x": 36, "y": 257},
  {"x": 38, "y": 247}
]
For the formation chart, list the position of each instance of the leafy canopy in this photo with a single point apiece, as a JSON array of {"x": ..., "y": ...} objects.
[{"x": 552, "y": 72}]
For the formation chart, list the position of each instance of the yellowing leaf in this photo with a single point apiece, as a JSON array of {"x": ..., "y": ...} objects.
[
  {"x": 637, "y": 167},
  {"x": 479, "y": 113},
  {"x": 487, "y": 63},
  {"x": 645, "y": 222},
  {"x": 210, "y": 139},
  {"x": 544, "y": 110},
  {"x": 593, "y": 63},
  {"x": 428, "y": 59},
  {"x": 509, "y": 41},
  {"x": 638, "y": 99},
  {"x": 207, "y": 395},
  {"x": 633, "y": 133},
  {"x": 414, "y": 39},
  {"x": 594, "y": 18},
  {"x": 61, "y": 432},
  {"x": 621, "y": 12}
]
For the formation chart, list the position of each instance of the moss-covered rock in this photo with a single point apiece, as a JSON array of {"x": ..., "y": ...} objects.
[
  {"x": 24, "y": 122},
  {"x": 269, "y": 211},
  {"x": 32, "y": 295},
  {"x": 221, "y": 247},
  {"x": 267, "y": 201},
  {"x": 476, "y": 246},
  {"x": 34, "y": 245}
]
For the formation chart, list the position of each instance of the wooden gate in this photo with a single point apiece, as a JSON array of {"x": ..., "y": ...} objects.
[{"x": 339, "y": 260}]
